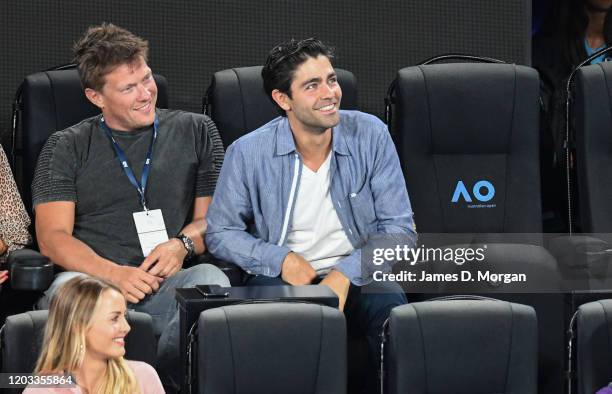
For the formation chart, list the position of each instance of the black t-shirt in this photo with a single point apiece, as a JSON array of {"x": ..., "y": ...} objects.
[{"x": 79, "y": 164}]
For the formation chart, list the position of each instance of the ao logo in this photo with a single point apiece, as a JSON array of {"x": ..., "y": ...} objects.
[{"x": 460, "y": 190}]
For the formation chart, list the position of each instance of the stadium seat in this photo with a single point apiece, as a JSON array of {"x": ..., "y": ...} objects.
[
  {"x": 594, "y": 349},
  {"x": 21, "y": 340},
  {"x": 462, "y": 346},
  {"x": 468, "y": 139},
  {"x": 237, "y": 102},
  {"x": 287, "y": 348},
  {"x": 593, "y": 86}
]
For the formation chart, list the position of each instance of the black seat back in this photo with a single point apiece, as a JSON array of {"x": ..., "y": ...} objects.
[
  {"x": 462, "y": 346},
  {"x": 52, "y": 101},
  {"x": 272, "y": 348},
  {"x": 593, "y": 125},
  {"x": 237, "y": 102},
  {"x": 594, "y": 352},
  {"x": 468, "y": 140}
]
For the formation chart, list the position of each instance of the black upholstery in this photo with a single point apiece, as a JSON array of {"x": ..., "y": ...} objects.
[
  {"x": 593, "y": 125},
  {"x": 52, "y": 101},
  {"x": 22, "y": 337},
  {"x": 594, "y": 347},
  {"x": 272, "y": 348},
  {"x": 239, "y": 104},
  {"x": 461, "y": 347},
  {"x": 470, "y": 122}
]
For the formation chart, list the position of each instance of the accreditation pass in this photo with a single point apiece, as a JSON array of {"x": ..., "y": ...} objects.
[{"x": 151, "y": 229}]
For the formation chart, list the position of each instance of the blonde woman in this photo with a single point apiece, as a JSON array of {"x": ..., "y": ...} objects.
[{"x": 84, "y": 338}]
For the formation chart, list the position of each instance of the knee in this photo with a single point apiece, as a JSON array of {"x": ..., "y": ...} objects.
[
  {"x": 385, "y": 294},
  {"x": 378, "y": 302},
  {"x": 207, "y": 274}
]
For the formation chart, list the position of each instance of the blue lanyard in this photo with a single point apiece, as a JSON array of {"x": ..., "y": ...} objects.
[{"x": 142, "y": 186}]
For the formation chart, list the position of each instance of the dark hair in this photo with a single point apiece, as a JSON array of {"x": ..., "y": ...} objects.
[
  {"x": 285, "y": 58},
  {"x": 567, "y": 24},
  {"x": 103, "y": 48}
]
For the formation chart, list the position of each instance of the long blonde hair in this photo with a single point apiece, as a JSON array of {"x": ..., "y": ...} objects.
[{"x": 70, "y": 315}]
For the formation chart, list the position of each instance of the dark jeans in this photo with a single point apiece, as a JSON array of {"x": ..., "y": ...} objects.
[{"x": 366, "y": 310}]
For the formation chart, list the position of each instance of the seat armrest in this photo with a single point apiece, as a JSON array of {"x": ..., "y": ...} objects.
[
  {"x": 582, "y": 257},
  {"x": 29, "y": 270},
  {"x": 235, "y": 274}
]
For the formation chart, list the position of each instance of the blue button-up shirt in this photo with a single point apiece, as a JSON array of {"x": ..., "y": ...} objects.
[{"x": 252, "y": 208}]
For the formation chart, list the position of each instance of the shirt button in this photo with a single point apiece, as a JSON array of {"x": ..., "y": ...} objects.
[{"x": 351, "y": 231}]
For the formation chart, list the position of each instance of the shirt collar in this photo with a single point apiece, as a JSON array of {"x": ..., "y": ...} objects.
[{"x": 286, "y": 145}]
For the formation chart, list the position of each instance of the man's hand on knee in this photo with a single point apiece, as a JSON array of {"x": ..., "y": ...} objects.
[
  {"x": 339, "y": 284},
  {"x": 166, "y": 259},
  {"x": 134, "y": 282},
  {"x": 297, "y": 271}
]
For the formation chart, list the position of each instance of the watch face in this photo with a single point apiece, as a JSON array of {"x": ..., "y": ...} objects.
[{"x": 188, "y": 243}]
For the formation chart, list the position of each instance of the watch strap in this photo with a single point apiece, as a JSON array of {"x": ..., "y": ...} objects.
[{"x": 188, "y": 244}]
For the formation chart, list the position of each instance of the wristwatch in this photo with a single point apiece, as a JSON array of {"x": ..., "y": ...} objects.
[{"x": 188, "y": 244}]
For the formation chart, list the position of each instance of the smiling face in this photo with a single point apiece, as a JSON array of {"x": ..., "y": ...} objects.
[
  {"x": 315, "y": 97},
  {"x": 128, "y": 97},
  {"x": 105, "y": 337}
]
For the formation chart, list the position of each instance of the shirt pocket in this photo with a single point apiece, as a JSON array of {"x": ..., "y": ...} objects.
[{"x": 362, "y": 206}]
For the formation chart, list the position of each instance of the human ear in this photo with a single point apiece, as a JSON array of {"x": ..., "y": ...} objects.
[
  {"x": 95, "y": 97},
  {"x": 281, "y": 99}
]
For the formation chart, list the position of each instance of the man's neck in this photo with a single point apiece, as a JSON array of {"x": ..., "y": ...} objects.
[{"x": 313, "y": 147}]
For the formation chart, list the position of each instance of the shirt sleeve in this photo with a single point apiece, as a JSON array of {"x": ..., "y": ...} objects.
[
  {"x": 55, "y": 175},
  {"x": 394, "y": 217},
  {"x": 14, "y": 220},
  {"x": 227, "y": 235},
  {"x": 211, "y": 159}
]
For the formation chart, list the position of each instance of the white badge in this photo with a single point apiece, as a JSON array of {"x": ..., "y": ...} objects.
[{"x": 151, "y": 229}]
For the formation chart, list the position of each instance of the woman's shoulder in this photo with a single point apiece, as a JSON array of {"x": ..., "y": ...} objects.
[
  {"x": 140, "y": 367},
  {"x": 147, "y": 377}
]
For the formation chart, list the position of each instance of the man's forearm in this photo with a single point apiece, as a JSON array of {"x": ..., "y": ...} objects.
[
  {"x": 254, "y": 255},
  {"x": 74, "y": 255}
]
